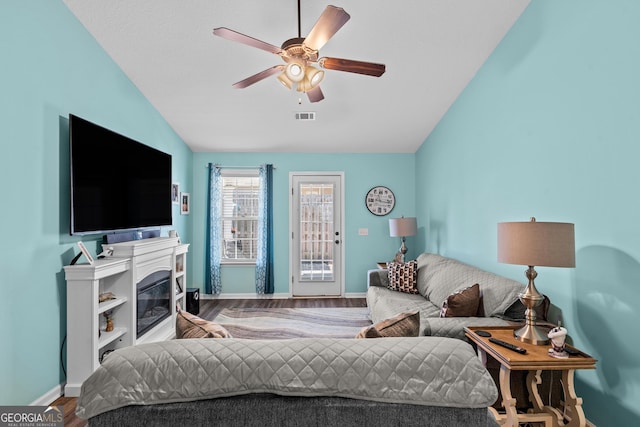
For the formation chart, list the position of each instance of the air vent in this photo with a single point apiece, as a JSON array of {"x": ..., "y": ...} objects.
[{"x": 307, "y": 115}]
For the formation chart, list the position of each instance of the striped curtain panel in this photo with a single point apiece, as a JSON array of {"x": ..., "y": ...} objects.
[
  {"x": 213, "y": 282},
  {"x": 264, "y": 255}
]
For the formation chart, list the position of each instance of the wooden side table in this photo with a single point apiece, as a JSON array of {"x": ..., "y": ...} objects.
[{"x": 534, "y": 361}]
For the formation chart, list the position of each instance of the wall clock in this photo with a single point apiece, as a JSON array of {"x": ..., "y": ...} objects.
[{"x": 380, "y": 200}]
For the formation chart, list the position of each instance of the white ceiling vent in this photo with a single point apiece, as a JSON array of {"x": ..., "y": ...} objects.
[{"x": 306, "y": 115}]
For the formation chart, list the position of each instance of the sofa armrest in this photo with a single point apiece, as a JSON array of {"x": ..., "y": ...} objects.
[
  {"x": 453, "y": 327},
  {"x": 377, "y": 277}
]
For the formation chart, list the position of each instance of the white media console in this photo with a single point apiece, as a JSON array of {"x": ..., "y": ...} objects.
[{"x": 119, "y": 274}]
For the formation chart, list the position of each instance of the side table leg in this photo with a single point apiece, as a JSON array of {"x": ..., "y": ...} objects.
[
  {"x": 508, "y": 401},
  {"x": 573, "y": 403},
  {"x": 533, "y": 379}
]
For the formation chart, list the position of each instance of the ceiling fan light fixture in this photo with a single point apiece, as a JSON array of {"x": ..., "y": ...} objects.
[
  {"x": 286, "y": 82},
  {"x": 304, "y": 85},
  {"x": 294, "y": 71},
  {"x": 314, "y": 76}
]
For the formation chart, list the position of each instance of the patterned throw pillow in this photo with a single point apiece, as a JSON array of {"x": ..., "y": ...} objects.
[
  {"x": 463, "y": 303},
  {"x": 403, "y": 276},
  {"x": 401, "y": 325},
  {"x": 191, "y": 326}
]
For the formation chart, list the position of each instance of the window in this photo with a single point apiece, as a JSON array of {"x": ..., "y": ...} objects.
[{"x": 239, "y": 221}]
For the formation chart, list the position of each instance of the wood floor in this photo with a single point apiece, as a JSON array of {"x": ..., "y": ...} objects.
[{"x": 209, "y": 308}]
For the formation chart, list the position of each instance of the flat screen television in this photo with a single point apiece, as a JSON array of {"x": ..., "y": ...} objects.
[{"x": 117, "y": 184}]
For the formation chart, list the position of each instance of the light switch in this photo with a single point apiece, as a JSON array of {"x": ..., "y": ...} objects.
[{"x": 363, "y": 231}]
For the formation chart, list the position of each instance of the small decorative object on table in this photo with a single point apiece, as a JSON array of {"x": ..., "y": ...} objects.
[
  {"x": 558, "y": 336},
  {"x": 109, "y": 321}
]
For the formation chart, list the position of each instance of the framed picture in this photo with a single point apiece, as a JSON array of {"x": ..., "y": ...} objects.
[
  {"x": 185, "y": 202},
  {"x": 85, "y": 252},
  {"x": 175, "y": 193}
]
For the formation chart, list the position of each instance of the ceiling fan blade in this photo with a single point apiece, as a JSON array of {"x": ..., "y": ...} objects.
[
  {"x": 241, "y": 38},
  {"x": 259, "y": 76},
  {"x": 351, "y": 66},
  {"x": 315, "y": 94},
  {"x": 331, "y": 20}
]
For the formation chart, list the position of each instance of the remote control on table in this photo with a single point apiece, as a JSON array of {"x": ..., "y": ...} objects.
[
  {"x": 572, "y": 352},
  {"x": 508, "y": 345}
]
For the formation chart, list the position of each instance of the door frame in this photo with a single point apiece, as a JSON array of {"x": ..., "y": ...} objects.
[{"x": 295, "y": 226}]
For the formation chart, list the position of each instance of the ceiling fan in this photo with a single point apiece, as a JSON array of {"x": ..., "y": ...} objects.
[{"x": 300, "y": 53}]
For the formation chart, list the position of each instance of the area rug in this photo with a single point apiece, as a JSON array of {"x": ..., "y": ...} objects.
[{"x": 278, "y": 323}]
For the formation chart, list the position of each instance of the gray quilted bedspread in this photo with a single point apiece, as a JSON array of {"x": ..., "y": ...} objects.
[{"x": 423, "y": 371}]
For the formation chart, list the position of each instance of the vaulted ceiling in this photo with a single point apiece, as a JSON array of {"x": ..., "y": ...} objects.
[{"x": 431, "y": 48}]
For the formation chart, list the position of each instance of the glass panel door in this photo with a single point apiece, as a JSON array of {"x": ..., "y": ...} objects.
[{"x": 316, "y": 235}]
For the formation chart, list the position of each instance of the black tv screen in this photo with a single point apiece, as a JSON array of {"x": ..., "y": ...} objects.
[{"x": 117, "y": 183}]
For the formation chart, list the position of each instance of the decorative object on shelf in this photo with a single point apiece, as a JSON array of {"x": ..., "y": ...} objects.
[
  {"x": 545, "y": 244},
  {"x": 106, "y": 296},
  {"x": 185, "y": 203},
  {"x": 174, "y": 233},
  {"x": 108, "y": 317},
  {"x": 558, "y": 336},
  {"x": 106, "y": 252},
  {"x": 83, "y": 251},
  {"x": 380, "y": 200},
  {"x": 403, "y": 227}
]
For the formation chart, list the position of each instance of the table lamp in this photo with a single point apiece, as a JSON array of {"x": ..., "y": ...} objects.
[
  {"x": 543, "y": 244},
  {"x": 403, "y": 227}
]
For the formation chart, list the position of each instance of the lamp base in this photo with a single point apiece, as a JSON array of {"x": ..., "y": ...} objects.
[{"x": 531, "y": 334}]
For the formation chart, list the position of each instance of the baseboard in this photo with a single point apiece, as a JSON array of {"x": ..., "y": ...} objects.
[
  {"x": 267, "y": 296},
  {"x": 47, "y": 398},
  {"x": 245, "y": 296},
  {"x": 355, "y": 295}
]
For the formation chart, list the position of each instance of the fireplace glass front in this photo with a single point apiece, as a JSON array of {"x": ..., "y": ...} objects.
[{"x": 153, "y": 301}]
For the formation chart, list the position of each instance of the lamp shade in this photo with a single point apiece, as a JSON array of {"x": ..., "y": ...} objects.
[
  {"x": 402, "y": 227},
  {"x": 545, "y": 244}
]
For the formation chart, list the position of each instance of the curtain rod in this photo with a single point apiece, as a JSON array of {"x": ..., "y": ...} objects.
[{"x": 235, "y": 167}]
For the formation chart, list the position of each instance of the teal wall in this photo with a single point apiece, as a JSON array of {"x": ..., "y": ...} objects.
[
  {"x": 550, "y": 127},
  {"x": 361, "y": 172},
  {"x": 52, "y": 67}
]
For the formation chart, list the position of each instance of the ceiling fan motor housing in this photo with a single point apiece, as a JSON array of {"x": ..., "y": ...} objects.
[{"x": 295, "y": 48}]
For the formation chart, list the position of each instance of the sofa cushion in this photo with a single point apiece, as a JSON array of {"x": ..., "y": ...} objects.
[
  {"x": 384, "y": 303},
  {"x": 463, "y": 303},
  {"x": 402, "y": 276},
  {"x": 439, "y": 277},
  {"x": 192, "y": 326},
  {"x": 401, "y": 325}
]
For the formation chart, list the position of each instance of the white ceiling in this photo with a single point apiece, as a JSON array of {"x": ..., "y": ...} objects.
[{"x": 431, "y": 48}]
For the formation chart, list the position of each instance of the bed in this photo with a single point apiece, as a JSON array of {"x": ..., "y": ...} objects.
[{"x": 427, "y": 381}]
